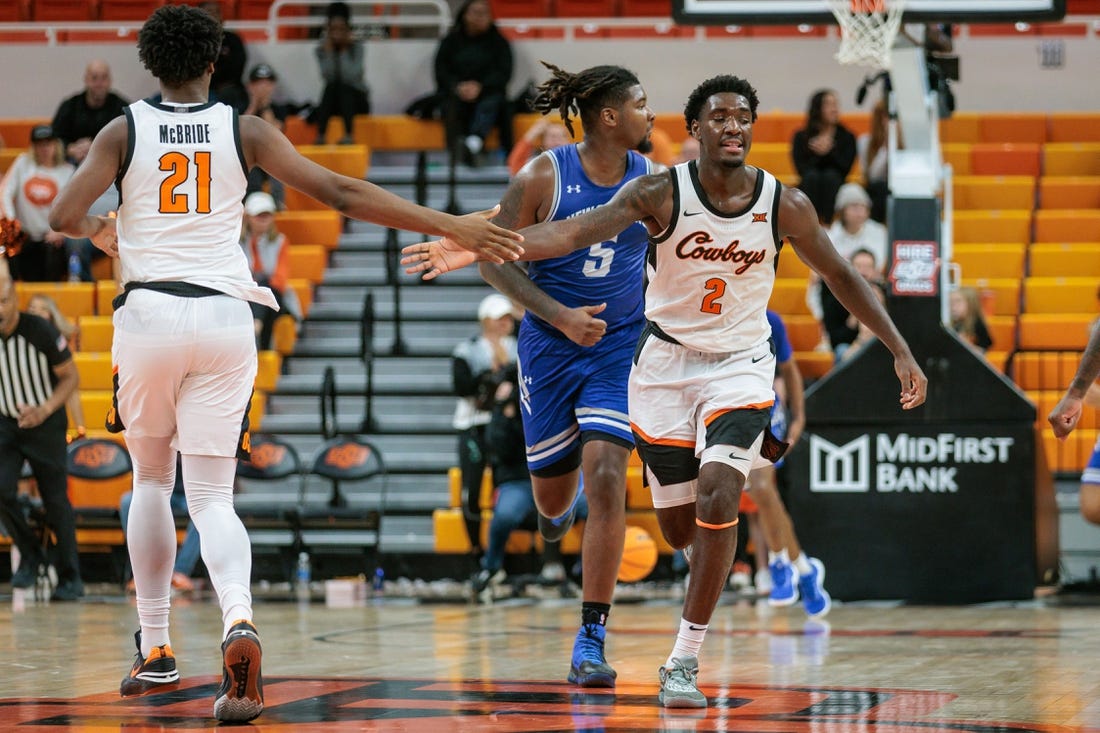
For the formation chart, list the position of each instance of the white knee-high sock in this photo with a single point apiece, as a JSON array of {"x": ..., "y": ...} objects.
[
  {"x": 151, "y": 540},
  {"x": 226, "y": 551}
]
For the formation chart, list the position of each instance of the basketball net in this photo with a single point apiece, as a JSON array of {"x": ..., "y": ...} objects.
[{"x": 867, "y": 31}]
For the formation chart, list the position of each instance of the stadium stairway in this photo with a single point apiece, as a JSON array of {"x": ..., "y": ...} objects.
[{"x": 413, "y": 401}]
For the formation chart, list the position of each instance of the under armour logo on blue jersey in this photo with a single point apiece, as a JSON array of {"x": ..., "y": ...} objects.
[{"x": 573, "y": 189}]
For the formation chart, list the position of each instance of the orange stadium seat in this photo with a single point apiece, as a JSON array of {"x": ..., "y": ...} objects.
[
  {"x": 314, "y": 227},
  {"x": 1071, "y": 159},
  {"x": 776, "y": 127},
  {"x": 16, "y": 131},
  {"x": 308, "y": 261},
  {"x": 520, "y": 8},
  {"x": 1044, "y": 369},
  {"x": 1040, "y": 331},
  {"x": 992, "y": 226},
  {"x": 790, "y": 266},
  {"x": 789, "y": 297},
  {"x": 958, "y": 156},
  {"x": 73, "y": 299},
  {"x": 584, "y": 8},
  {"x": 94, "y": 368},
  {"x": 804, "y": 332},
  {"x": 1074, "y": 127},
  {"x": 63, "y": 11},
  {"x": 8, "y": 156},
  {"x": 127, "y": 9},
  {"x": 1069, "y": 192},
  {"x": 1060, "y": 295},
  {"x": 646, "y": 8},
  {"x": 304, "y": 290},
  {"x": 1064, "y": 260},
  {"x": 1002, "y": 329},
  {"x": 814, "y": 364},
  {"x": 774, "y": 158},
  {"x": 96, "y": 333},
  {"x": 1001, "y": 293},
  {"x": 994, "y": 192},
  {"x": 1067, "y": 225},
  {"x": 14, "y": 11},
  {"x": 990, "y": 260},
  {"x": 1013, "y": 127},
  {"x": 961, "y": 127},
  {"x": 1005, "y": 159}
]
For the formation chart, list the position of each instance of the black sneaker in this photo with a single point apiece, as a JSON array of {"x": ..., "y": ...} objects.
[
  {"x": 152, "y": 674},
  {"x": 241, "y": 695},
  {"x": 68, "y": 590},
  {"x": 26, "y": 575}
]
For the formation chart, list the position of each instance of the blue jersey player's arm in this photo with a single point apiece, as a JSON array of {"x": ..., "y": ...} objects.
[
  {"x": 527, "y": 201},
  {"x": 647, "y": 199}
]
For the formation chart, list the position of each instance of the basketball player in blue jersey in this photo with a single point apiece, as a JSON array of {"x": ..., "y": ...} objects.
[
  {"x": 574, "y": 366},
  {"x": 1083, "y": 392},
  {"x": 184, "y": 352},
  {"x": 700, "y": 388}
]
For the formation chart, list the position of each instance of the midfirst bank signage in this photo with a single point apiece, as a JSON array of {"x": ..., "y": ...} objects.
[{"x": 901, "y": 462}]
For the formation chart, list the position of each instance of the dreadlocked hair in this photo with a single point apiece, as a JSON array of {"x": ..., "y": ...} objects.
[
  {"x": 722, "y": 84},
  {"x": 585, "y": 93},
  {"x": 178, "y": 43}
]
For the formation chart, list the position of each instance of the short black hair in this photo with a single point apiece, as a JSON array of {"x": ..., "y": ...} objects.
[
  {"x": 338, "y": 10},
  {"x": 722, "y": 84},
  {"x": 586, "y": 92},
  {"x": 178, "y": 43}
]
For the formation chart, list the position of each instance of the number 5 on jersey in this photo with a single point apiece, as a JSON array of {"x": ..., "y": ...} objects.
[{"x": 175, "y": 189}]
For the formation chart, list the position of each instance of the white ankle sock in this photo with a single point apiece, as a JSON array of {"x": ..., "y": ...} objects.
[
  {"x": 782, "y": 555},
  {"x": 802, "y": 565},
  {"x": 688, "y": 642}
]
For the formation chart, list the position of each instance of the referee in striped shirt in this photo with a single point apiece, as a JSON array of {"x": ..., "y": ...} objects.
[{"x": 37, "y": 375}]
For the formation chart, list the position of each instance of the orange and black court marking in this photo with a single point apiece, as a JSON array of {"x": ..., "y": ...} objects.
[{"x": 432, "y": 706}]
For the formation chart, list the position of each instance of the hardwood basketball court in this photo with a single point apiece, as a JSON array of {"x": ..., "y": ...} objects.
[{"x": 401, "y": 665}]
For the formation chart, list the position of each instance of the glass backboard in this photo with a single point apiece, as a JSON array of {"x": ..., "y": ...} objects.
[{"x": 790, "y": 12}]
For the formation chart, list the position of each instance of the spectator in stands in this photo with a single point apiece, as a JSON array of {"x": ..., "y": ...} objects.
[
  {"x": 80, "y": 117},
  {"x": 342, "y": 61},
  {"x": 823, "y": 152},
  {"x": 545, "y": 134},
  {"x": 261, "y": 91},
  {"x": 863, "y": 334},
  {"x": 841, "y": 327},
  {"x": 268, "y": 254},
  {"x": 689, "y": 150},
  {"x": 476, "y": 364},
  {"x": 853, "y": 230},
  {"x": 29, "y": 188},
  {"x": 872, "y": 148},
  {"x": 473, "y": 66},
  {"x": 32, "y": 429},
  {"x": 514, "y": 505},
  {"x": 43, "y": 306},
  {"x": 226, "y": 85},
  {"x": 187, "y": 557},
  {"x": 967, "y": 320}
]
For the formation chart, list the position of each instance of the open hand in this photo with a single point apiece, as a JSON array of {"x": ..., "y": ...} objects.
[
  {"x": 435, "y": 258},
  {"x": 474, "y": 232}
]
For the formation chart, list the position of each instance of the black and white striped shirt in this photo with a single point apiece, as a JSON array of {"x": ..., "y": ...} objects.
[{"x": 27, "y": 359}]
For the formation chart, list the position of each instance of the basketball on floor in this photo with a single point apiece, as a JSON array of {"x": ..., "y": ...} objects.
[{"x": 639, "y": 555}]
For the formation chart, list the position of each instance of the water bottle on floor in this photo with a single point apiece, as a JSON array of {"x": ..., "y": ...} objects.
[
  {"x": 74, "y": 268},
  {"x": 303, "y": 577}
]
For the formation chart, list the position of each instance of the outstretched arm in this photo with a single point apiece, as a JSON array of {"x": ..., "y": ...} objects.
[
  {"x": 798, "y": 221},
  {"x": 266, "y": 147},
  {"x": 1063, "y": 418}
]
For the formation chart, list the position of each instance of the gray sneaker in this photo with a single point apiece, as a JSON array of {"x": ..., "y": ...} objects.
[{"x": 678, "y": 687}]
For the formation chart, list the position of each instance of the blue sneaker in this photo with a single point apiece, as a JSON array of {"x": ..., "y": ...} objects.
[
  {"x": 589, "y": 668},
  {"x": 784, "y": 580},
  {"x": 815, "y": 599},
  {"x": 553, "y": 529}
]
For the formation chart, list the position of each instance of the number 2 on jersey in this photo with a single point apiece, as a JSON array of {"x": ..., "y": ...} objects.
[
  {"x": 174, "y": 189},
  {"x": 716, "y": 288}
]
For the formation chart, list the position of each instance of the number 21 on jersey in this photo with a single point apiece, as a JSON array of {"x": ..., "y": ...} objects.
[{"x": 186, "y": 188}]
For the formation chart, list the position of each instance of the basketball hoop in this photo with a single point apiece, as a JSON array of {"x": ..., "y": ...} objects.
[{"x": 867, "y": 31}]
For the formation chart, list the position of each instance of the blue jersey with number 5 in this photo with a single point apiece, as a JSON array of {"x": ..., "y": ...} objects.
[{"x": 609, "y": 272}]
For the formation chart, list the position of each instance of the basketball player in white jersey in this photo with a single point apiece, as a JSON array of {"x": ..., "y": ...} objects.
[
  {"x": 184, "y": 350},
  {"x": 701, "y": 386}
]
